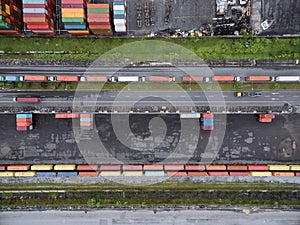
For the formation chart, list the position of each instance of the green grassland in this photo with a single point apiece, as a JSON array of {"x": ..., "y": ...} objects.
[{"x": 204, "y": 48}]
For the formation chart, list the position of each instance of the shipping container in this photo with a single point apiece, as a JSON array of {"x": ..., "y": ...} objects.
[
  {"x": 258, "y": 78},
  {"x": 132, "y": 167},
  {"x": 154, "y": 173},
  {"x": 153, "y": 167},
  {"x": 86, "y": 167},
  {"x": 25, "y": 174},
  {"x": 258, "y": 167},
  {"x": 197, "y": 173},
  {"x": 88, "y": 174},
  {"x": 279, "y": 167},
  {"x": 110, "y": 173},
  {"x": 297, "y": 174},
  {"x": 260, "y": 173},
  {"x": 283, "y": 174},
  {"x": 194, "y": 167},
  {"x": 66, "y": 174},
  {"x": 190, "y": 115},
  {"x": 110, "y": 167},
  {"x": 287, "y": 79},
  {"x": 223, "y": 78},
  {"x": 85, "y": 115},
  {"x": 26, "y": 100},
  {"x": 18, "y": 167},
  {"x": 66, "y": 115},
  {"x": 237, "y": 167},
  {"x": 176, "y": 174},
  {"x": 161, "y": 79},
  {"x": 295, "y": 167},
  {"x": 42, "y": 167},
  {"x": 46, "y": 174},
  {"x": 35, "y": 78},
  {"x": 174, "y": 167},
  {"x": 239, "y": 174},
  {"x": 132, "y": 173},
  {"x": 2, "y": 167},
  {"x": 192, "y": 79},
  {"x": 7, "y": 174},
  {"x": 67, "y": 78},
  {"x": 65, "y": 167},
  {"x": 218, "y": 173},
  {"x": 215, "y": 167}
]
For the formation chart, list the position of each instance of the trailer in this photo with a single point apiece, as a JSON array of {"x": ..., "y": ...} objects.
[
  {"x": 94, "y": 78},
  {"x": 34, "y": 78},
  {"x": 67, "y": 78},
  {"x": 287, "y": 79},
  {"x": 224, "y": 78},
  {"x": 12, "y": 78},
  {"x": 161, "y": 79},
  {"x": 128, "y": 79},
  {"x": 258, "y": 78},
  {"x": 192, "y": 79},
  {"x": 27, "y": 99}
]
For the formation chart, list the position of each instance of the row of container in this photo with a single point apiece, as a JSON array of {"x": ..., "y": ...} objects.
[
  {"x": 99, "y": 19},
  {"x": 151, "y": 167},
  {"x": 146, "y": 173},
  {"x": 119, "y": 14},
  {"x": 24, "y": 122},
  {"x": 11, "y": 21},
  {"x": 86, "y": 121},
  {"x": 187, "y": 79}
]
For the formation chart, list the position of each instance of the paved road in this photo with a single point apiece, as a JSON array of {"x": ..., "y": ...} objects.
[
  {"x": 147, "y": 217},
  {"x": 153, "y": 98},
  {"x": 178, "y": 72}
]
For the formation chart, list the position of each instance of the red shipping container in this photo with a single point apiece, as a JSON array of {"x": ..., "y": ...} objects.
[
  {"x": 297, "y": 174},
  {"x": 98, "y": 15},
  {"x": 176, "y": 174},
  {"x": 100, "y": 27},
  {"x": 283, "y": 174},
  {"x": 22, "y": 128},
  {"x": 33, "y": 6},
  {"x": 110, "y": 167},
  {"x": 195, "y": 167},
  {"x": 2, "y": 167},
  {"x": 192, "y": 79},
  {"x": 258, "y": 167},
  {"x": 85, "y": 115},
  {"x": 197, "y": 174},
  {"x": 88, "y": 174},
  {"x": 239, "y": 174},
  {"x": 72, "y": 6},
  {"x": 18, "y": 167},
  {"x": 38, "y": 26},
  {"x": 87, "y": 167},
  {"x": 73, "y": 2},
  {"x": 174, "y": 167},
  {"x": 97, "y": 6},
  {"x": 219, "y": 173}
]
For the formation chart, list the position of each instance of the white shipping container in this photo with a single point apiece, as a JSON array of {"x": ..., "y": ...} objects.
[
  {"x": 34, "y": 10},
  {"x": 119, "y": 7},
  {"x": 119, "y": 21},
  {"x": 128, "y": 79},
  {"x": 287, "y": 79},
  {"x": 190, "y": 115}
]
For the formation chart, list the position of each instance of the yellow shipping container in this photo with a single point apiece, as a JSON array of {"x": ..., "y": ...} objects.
[
  {"x": 7, "y": 174},
  {"x": 7, "y": 9},
  {"x": 260, "y": 173},
  {"x": 283, "y": 174},
  {"x": 110, "y": 173},
  {"x": 15, "y": 8},
  {"x": 133, "y": 173},
  {"x": 65, "y": 167},
  {"x": 42, "y": 167},
  {"x": 79, "y": 31},
  {"x": 295, "y": 167},
  {"x": 25, "y": 174},
  {"x": 279, "y": 167},
  {"x": 72, "y": 10},
  {"x": 73, "y": 15}
]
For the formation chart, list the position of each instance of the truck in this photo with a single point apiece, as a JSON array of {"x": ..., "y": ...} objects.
[
  {"x": 94, "y": 78},
  {"x": 26, "y": 99},
  {"x": 266, "y": 118},
  {"x": 258, "y": 78},
  {"x": 161, "y": 79},
  {"x": 247, "y": 94},
  {"x": 207, "y": 121},
  {"x": 287, "y": 79},
  {"x": 224, "y": 78},
  {"x": 191, "y": 79},
  {"x": 67, "y": 78},
  {"x": 128, "y": 79}
]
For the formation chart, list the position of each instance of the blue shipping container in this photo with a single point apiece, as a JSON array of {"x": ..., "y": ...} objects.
[
  {"x": 75, "y": 26},
  {"x": 86, "y": 119},
  {"x": 155, "y": 173},
  {"x": 46, "y": 174},
  {"x": 67, "y": 174},
  {"x": 24, "y": 115}
]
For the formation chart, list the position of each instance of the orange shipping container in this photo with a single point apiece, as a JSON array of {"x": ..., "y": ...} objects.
[
  {"x": 223, "y": 78},
  {"x": 87, "y": 167},
  {"x": 35, "y": 78},
  {"x": 258, "y": 78},
  {"x": 195, "y": 167},
  {"x": 88, "y": 174},
  {"x": 86, "y": 124},
  {"x": 18, "y": 167},
  {"x": 214, "y": 173},
  {"x": 216, "y": 167},
  {"x": 174, "y": 167},
  {"x": 86, "y": 115},
  {"x": 283, "y": 174},
  {"x": 66, "y": 115}
]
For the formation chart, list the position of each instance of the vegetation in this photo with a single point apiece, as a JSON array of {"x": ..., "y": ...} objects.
[
  {"x": 204, "y": 48},
  {"x": 167, "y": 193}
]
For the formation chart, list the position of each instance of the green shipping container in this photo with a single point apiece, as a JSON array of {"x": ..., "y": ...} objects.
[
  {"x": 76, "y": 20},
  {"x": 119, "y": 12},
  {"x": 99, "y": 10}
]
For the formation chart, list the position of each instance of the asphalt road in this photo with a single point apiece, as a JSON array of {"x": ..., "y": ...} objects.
[
  {"x": 152, "y": 98},
  {"x": 147, "y": 217},
  {"x": 177, "y": 72}
]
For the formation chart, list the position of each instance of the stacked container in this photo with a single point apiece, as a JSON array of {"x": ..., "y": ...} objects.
[
  {"x": 99, "y": 19},
  {"x": 24, "y": 122},
  {"x": 86, "y": 121},
  {"x": 119, "y": 12},
  {"x": 39, "y": 16},
  {"x": 74, "y": 16},
  {"x": 10, "y": 16}
]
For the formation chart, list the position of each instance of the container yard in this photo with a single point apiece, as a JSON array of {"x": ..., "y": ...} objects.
[{"x": 11, "y": 19}]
